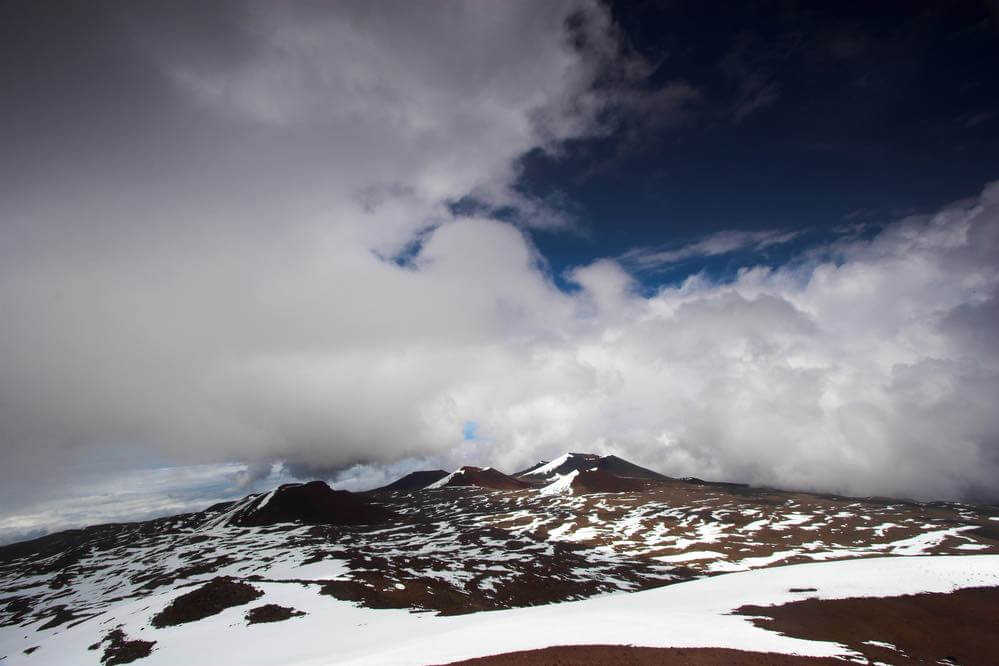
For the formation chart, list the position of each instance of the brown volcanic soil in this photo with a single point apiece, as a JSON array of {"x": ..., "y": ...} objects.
[
  {"x": 602, "y": 481},
  {"x": 626, "y": 655},
  {"x": 962, "y": 626},
  {"x": 314, "y": 503},
  {"x": 121, "y": 651},
  {"x": 210, "y": 599},
  {"x": 487, "y": 478},
  {"x": 271, "y": 613}
]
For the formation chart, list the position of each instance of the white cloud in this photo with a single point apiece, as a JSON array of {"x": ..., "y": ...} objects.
[
  {"x": 870, "y": 373},
  {"x": 439, "y": 99},
  {"x": 133, "y": 495},
  {"x": 210, "y": 279},
  {"x": 712, "y": 245},
  {"x": 226, "y": 296}
]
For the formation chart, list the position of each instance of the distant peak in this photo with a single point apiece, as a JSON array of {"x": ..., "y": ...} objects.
[
  {"x": 414, "y": 481},
  {"x": 575, "y": 460},
  {"x": 484, "y": 477},
  {"x": 312, "y": 503}
]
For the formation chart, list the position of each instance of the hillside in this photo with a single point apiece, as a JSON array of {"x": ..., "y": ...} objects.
[{"x": 469, "y": 543}]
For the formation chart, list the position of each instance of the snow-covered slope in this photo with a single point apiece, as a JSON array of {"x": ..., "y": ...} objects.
[
  {"x": 314, "y": 503},
  {"x": 561, "y": 484},
  {"x": 482, "y": 477},
  {"x": 694, "y": 614},
  {"x": 456, "y": 549},
  {"x": 580, "y": 462}
]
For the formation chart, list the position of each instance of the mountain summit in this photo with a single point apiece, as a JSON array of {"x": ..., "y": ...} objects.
[
  {"x": 584, "y": 462},
  {"x": 313, "y": 503},
  {"x": 414, "y": 481},
  {"x": 593, "y": 473},
  {"x": 483, "y": 477}
]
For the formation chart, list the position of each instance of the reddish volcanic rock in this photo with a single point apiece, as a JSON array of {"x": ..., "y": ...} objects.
[
  {"x": 210, "y": 599},
  {"x": 602, "y": 481},
  {"x": 271, "y": 613},
  {"x": 957, "y": 627},
  {"x": 627, "y": 655},
  {"x": 486, "y": 477}
]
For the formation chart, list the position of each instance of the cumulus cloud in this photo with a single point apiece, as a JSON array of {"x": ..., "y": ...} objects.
[
  {"x": 866, "y": 366},
  {"x": 200, "y": 264},
  {"x": 223, "y": 286}
]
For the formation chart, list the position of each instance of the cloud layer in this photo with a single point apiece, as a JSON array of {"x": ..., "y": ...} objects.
[{"x": 225, "y": 288}]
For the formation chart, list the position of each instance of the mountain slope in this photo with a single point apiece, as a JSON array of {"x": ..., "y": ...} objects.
[
  {"x": 413, "y": 481},
  {"x": 529, "y": 470},
  {"x": 453, "y": 550},
  {"x": 581, "y": 462},
  {"x": 602, "y": 481},
  {"x": 481, "y": 477},
  {"x": 313, "y": 503}
]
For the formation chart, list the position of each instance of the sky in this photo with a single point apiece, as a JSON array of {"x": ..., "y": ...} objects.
[{"x": 249, "y": 242}]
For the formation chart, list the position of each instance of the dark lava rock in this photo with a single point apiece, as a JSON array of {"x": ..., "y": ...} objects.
[
  {"x": 15, "y": 610},
  {"x": 122, "y": 651},
  {"x": 530, "y": 470},
  {"x": 414, "y": 480},
  {"x": 210, "y": 599},
  {"x": 313, "y": 503},
  {"x": 621, "y": 467},
  {"x": 586, "y": 461},
  {"x": 271, "y": 613}
]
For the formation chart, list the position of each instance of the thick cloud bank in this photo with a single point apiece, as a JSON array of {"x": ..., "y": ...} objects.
[{"x": 266, "y": 267}]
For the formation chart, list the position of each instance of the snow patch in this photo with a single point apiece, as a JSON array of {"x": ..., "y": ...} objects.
[
  {"x": 445, "y": 480},
  {"x": 267, "y": 498},
  {"x": 552, "y": 466},
  {"x": 562, "y": 484}
]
